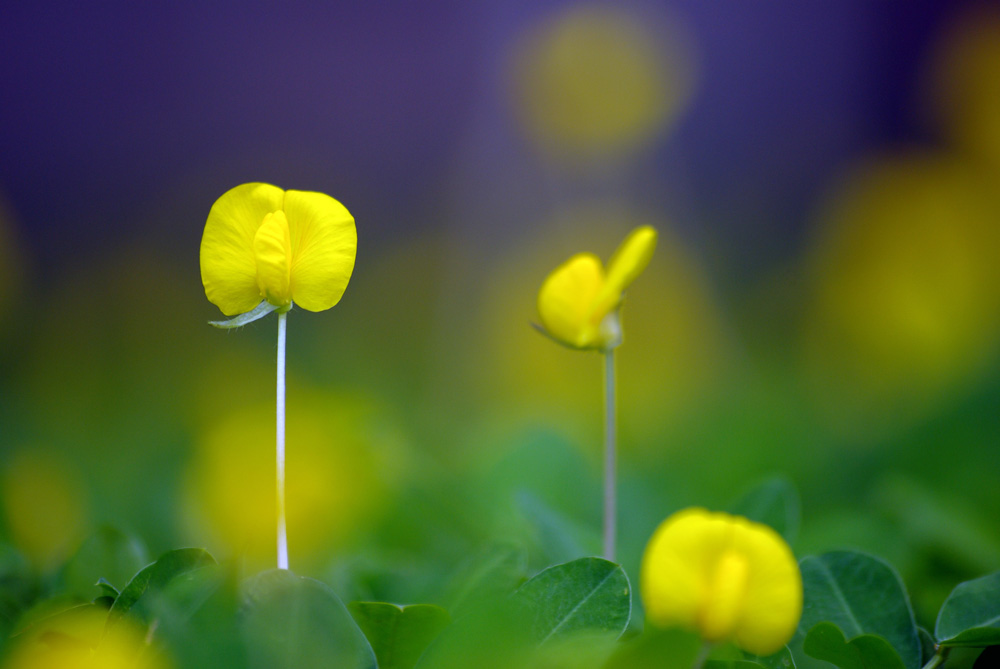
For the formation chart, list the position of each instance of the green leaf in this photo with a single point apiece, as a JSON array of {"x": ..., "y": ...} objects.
[
  {"x": 970, "y": 616},
  {"x": 399, "y": 635},
  {"x": 153, "y": 579},
  {"x": 589, "y": 594},
  {"x": 107, "y": 555},
  {"x": 826, "y": 642},
  {"x": 294, "y": 622},
  {"x": 861, "y": 595},
  {"x": 496, "y": 571},
  {"x": 927, "y": 644},
  {"x": 657, "y": 649},
  {"x": 493, "y": 633},
  {"x": 780, "y": 660},
  {"x": 773, "y": 502},
  {"x": 197, "y": 619},
  {"x": 577, "y": 651},
  {"x": 108, "y": 589},
  {"x": 728, "y": 656}
]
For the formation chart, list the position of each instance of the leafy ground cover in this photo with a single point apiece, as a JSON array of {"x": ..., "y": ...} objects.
[{"x": 106, "y": 606}]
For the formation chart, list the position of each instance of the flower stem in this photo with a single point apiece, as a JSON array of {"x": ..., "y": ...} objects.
[
  {"x": 610, "y": 460},
  {"x": 703, "y": 653},
  {"x": 280, "y": 443},
  {"x": 939, "y": 657}
]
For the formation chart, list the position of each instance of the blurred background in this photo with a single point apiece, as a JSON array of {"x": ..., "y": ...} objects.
[{"x": 824, "y": 304}]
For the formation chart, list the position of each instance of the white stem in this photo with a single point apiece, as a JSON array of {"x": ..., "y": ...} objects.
[
  {"x": 280, "y": 444},
  {"x": 610, "y": 461}
]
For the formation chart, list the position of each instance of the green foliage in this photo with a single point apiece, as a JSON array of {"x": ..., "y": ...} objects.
[
  {"x": 826, "y": 642},
  {"x": 657, "y": 649},
  {"x": 585, "y": 595},
  {"x": 399, "y": 634},
  {"x": 17, "y": 589},
  {"x": 557, "y": 538},
  {"x": 927, "y": 645},
  {"x": 494, "y": 571},
  {"x": 566, "y": 615},
  {"x": 862, "y": 596},
  {"x": 971, "y": 614},
  {"x": 151, "y": 580},
  {"x": 109, "y": 554},
  {"x": 294, "y": 622},
  {"x": 728, "y": 656},
  {"x": 576, "y": 614},
  {"x": 200, "y": 621},
  {"x": 773, "y": 502},
  {"x": 490, "y": 633}
]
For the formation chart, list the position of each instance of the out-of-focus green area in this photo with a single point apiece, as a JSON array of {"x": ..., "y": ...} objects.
[{"x": 427, "y": 419}]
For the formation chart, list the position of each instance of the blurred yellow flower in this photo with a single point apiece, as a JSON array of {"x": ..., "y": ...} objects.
[
  {"x": 727, "y": 577},
  {"x": 44, "y": 502},
  {"x": 265, "y": 243},
  {"x": 578, "y": 303},
  {"x": 76, "y": 639},
  {"x": 601, "y": 82},
  {"x": 903, "y": 290},
  {"x": 335, "y": 478}
]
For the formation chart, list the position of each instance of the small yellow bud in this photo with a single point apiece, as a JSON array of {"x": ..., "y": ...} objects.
[{"x": 578, "y": 302}]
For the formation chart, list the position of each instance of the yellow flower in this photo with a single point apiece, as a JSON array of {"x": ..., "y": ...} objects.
[
  {"x": 77, "y": 639},
  {"x": 601, "y": 82},
  {"x": 578, "y": 303},
  {"x": 727, "y": 577},
  {"x": 265, "y": 243}
]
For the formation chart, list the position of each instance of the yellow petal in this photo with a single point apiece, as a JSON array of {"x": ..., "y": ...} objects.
[
  {"x": 324, "y": 243},
  {"x": 726, "y": 594},
  {"x": 773, "y": 603},
  {"x": 725, "y": 576},
  {"x": 272, "y": 249},
  {"x": 675, "y": 567},
  {"x": 627, "y": 263},
  {"x": 228, "y": 267},
  {"x": 566, "y": 299}
]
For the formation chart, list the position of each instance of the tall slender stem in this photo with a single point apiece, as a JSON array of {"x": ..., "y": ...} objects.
[
  {"x": 610, "y": 459},
  {"x": 703, "y": 653},
  {"x": 280, "y": 444}
]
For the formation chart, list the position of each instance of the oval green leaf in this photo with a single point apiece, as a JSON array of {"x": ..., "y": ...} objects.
[
  {"x": 399, "y": 634},
  {"x": 153, "y": 579},
  {"x": 292, "y": 622},
  {"x": 861, "y": 595},
  {"x": 825, "y": 641},
  {"x": 589, "y": 594},
  {"x": 971, "y": 614}
]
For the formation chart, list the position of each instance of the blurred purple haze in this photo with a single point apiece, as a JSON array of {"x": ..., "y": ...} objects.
[{"x": 111, "y": 107}]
